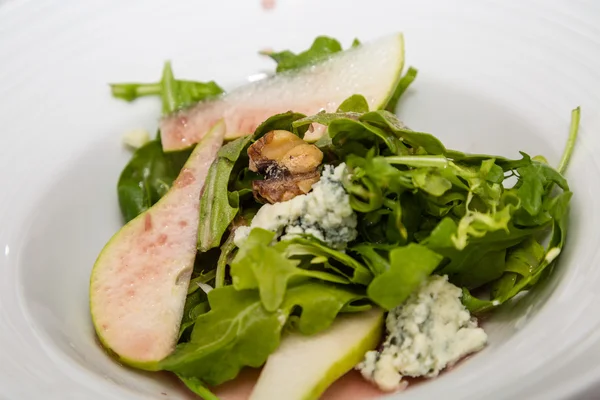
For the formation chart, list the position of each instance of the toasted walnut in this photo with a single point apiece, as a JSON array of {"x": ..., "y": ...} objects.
[
  {"x": 288, "y": 163},
  {"x": 284, "y": 189}
]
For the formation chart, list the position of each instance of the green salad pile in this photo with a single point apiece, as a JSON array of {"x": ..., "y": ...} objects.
[{"x": 493, "y": 225}]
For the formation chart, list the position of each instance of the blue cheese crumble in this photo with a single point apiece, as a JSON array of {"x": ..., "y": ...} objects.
[
  {"x": 430, "y": 331},
  {"x": 324, "y": 213}
]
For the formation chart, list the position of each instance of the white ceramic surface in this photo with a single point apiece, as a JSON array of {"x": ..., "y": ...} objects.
[{"x": 494, "y": 76}]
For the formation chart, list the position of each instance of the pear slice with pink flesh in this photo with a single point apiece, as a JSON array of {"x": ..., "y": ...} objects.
[
  {"x": 372, "y": 69},
  {"x": 303, "y": 367},
  {"x": 140, "y": 279}
]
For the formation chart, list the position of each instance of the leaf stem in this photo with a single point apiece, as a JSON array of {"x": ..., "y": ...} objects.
[
  {"x": 198, "y": 387},
  {"x": 226, "y": 250},
  {"x": 202, "y": 278},
  {"x": 131, "y": 91},
  {"x": 169, "y": 89},
  {"x": 573, "y": 131},
  {"x": 419, "y": 161},
  {"x": 204, "y": 393}
]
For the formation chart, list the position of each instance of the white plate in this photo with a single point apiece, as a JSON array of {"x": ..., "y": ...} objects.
[{"x": 494, "y": 76}]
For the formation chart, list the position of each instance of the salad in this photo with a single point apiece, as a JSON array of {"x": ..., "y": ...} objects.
[{"x": 296, "y": 224}]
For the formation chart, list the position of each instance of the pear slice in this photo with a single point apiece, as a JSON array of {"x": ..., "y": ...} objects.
[
  {"x": 372, "y": 69},
  {"x": 140, "y": 279},
  {"x": 304, "y": 366}
]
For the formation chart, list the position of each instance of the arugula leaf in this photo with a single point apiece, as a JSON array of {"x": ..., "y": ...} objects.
[
  {"x": 347, "y": 131},
  {"x": 475, "y": 305},
  {"x": 559, "y": 212},
  {"x": 404, "y": 83},
  {"x": 147, "y": 177},
  {"x": 377, "y": 263},
  {"x": 528, "y": 261},
  {"x": 331, "y": 259},
  {"x": 322, "y": 48},
  {"x": 218, "y": 206},
  {"x": 198, "y": 387},
  {"x": 365, "y": 127},
  {"x": 490, "y": 267},
  {"x": 175, "y": 93},
  {"x": 430, "y": 181},
  {"x": 409, "y": 267},
  {"x": 466, "y": 214},
  {"x": 227, "y": 251},
  {"x": 462, "y": 259},
  {"x": 260, "y": 265},
  {"x": 533, "y": 182},
  {"x": 284, "y": 121},
  {"x": 195, "y": 305},
  {"x": 238, "y": 331},
  {"x": 419, "y": 141}
]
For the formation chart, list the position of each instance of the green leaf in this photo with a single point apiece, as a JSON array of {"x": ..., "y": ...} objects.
[
  {"x": 175, "y": 93},
  {"x": 475, "y": 305},
  {"x": 345, "y": 131},
  {"x": 198, "y": 387},
  {"x": 285, "y": 121},
  {"x": 492, "y": 172},
  {"x": 320, "y": 304},
  {"x": 147, "y": 177},
  {"x": 218, "y": 207},
  {"x": 476, "y": 224},
  {"x": 476, "y": 159},
  {"x": 378, "y": 264},
  {"x": 322, "y": 48},
  {"x": 430, "y": 181},
  {"x": 388, "y": 121},
  {"x": 227, "y": 252},
  {"x": 533, "y": 182},
  {"x": 365, "y": 195},
  {"x": 385, "y": 176},
  {"x": 527, "y": 261},
  {"x": 260, "y": 265},
  {"x": 403, "y": 84},
  {"x": 195, "y": 305},
  {"x": 409, "y": 267},
  {"x": 324, "y": 118},
  {"x": 502, "y": 287},
  {"x": 355, "y": 103},
  {"x": 367, "y": 127},
  {"x": 238, "y": 331},
  {"x": 337, "y": 261},
  {"x": 524, "y": 258},
  {"x": 462, "y": 260},
  {"x": 490, "y": 267}
]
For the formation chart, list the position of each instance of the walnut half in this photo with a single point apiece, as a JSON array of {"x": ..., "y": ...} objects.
[{"x": 288, "y": 163}]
